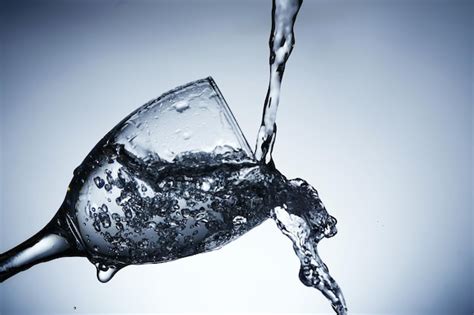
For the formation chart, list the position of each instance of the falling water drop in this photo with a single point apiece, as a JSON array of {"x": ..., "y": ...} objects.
[{"x": 105, "y": 273}]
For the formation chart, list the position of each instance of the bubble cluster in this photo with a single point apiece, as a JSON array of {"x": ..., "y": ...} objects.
[{"x": 148, "y": 210}]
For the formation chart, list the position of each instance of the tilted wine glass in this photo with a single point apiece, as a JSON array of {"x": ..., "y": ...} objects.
[{"x": 176, "y": 178}]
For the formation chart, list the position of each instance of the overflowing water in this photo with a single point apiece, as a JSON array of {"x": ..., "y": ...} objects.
[
  {"x": 177, "y": 178},
  {"x": 313, "y": 272}
]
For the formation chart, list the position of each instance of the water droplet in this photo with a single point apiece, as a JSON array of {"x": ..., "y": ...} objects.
[
  {"x": 87, "y": 210},
  {"x": 186, "y": 135},
  {"x": 105, "y": 273},
  {"x": 181, "y": 106}
]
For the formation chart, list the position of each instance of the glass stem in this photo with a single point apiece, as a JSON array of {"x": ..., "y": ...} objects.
[{"x": 52, "y": 242}]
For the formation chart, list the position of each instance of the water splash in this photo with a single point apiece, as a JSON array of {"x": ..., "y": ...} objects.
[
  {"x": 157, "y": 211},
  {"x": 282, "y": 40},
  {"x": 159, "y": 186},
  {"x": 313, "y": 272}
]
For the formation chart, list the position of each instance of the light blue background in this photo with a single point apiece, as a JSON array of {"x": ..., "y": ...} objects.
[{"x": 376, "y": 112}]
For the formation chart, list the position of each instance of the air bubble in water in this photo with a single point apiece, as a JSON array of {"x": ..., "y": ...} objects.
[
  {"x": 104, "y": 219},
  {"x": 99, "y": 182},
  {"x": 205, "y": 186},
  {"x": 239, "y": 220}
]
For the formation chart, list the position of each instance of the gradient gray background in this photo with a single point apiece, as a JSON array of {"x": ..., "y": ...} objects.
[{"x": 376, "y": 112}]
